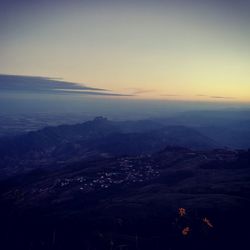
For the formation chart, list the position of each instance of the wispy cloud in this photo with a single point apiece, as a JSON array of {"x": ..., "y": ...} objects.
[
  {"x": 202, "y": 95},
  {"x": 18, "y": 82},
  {"x": 37, "y": 84},
  {"x": 139, "y": 91},
  {"x": 222, "y": 97},
  {"x": 215, "y": 97},
  {"x": 84, "y": 92},
  {"x": 171, "y": 95}
]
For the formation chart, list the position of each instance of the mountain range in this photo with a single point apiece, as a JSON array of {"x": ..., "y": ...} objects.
[{"x": 100, "y": 137}]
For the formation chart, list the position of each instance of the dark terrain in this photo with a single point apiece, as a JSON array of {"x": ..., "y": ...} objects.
[
  {"x": 119, "y": 185},
  {"x": 100, "y": 138}
]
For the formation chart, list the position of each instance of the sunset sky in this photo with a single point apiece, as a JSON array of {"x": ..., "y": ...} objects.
[{"x": 173, "y": 50}]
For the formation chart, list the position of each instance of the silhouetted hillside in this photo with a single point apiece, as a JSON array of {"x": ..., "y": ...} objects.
[
  {"x": 132, "y": 201},
  {"x": 98, "y": 138}
]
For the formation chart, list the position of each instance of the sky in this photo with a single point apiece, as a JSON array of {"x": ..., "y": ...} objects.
[{"x": 165, "y": 50}]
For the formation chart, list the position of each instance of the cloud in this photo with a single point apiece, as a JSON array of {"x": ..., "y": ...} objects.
[
  {"x": 38, "y": 84},
  {"x": 17, "y": 82},
  {"x": 170, "y": 95},
  {"x": 221, "y": 97},
  {"x": 76, "y": 91},
  {"x": 215, "y": 97},
  {"x": 138, "y": 91},
  {"x": 202, "y": 95}
]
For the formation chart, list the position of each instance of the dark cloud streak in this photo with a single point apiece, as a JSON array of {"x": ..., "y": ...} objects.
[
  {"x": 216, "y": 97},
  {"x": 221, "y": 97},
  {"x": 138, "y": 91},
  {"x": 170, "y": 95},
  {"x": 38, "y": 84},
  {"x": 89, "y": 93}
]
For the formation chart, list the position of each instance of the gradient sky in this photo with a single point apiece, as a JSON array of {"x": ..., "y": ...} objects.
[{"x": 173, "y": 50}]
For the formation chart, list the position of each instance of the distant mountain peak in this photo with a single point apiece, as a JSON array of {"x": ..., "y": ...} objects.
[{"x": 100, "y": 119}]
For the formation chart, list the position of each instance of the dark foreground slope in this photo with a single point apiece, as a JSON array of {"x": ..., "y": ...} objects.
[{"x": 132, "y": 203}]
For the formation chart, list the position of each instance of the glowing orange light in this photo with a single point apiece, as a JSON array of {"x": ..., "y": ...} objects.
[
  {"x": 186, "y": 231},
  {"x": 205, "y": 220},
  {"x": 182, "y": 211}
]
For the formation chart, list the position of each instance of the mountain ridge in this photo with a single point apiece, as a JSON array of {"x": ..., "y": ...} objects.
[{"x": 100, "y": 137}]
